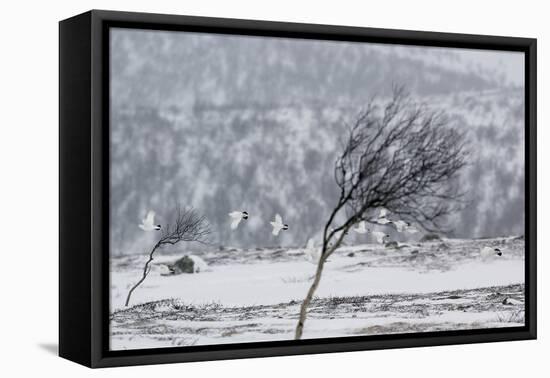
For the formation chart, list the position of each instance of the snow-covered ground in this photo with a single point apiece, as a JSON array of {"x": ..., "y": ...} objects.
[{"x": 254, "y": 295}]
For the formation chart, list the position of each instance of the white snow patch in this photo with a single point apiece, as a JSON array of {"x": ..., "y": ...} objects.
[{"x": 271, "y": 283}]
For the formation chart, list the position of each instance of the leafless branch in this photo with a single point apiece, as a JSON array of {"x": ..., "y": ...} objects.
[{"x": 188, "y": 226}]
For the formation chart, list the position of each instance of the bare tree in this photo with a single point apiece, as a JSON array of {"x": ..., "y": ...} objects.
[
  {"x": 401, "y": 156},
  {"x": 189, "y": 226}
]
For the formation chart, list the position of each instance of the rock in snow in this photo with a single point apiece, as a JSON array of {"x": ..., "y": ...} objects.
[
  {"x": 187, "y": 264},
  {"x": 430, "y": 237}
]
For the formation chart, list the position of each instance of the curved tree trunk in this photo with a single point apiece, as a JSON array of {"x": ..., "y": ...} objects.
[
  {"x": 307, "y": 300},
  {"x": 145, "y": 273}
]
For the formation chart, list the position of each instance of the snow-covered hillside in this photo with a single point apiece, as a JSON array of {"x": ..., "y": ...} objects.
[
  {"x": 220, "y": 123},
  {"x": 280, "y": 159},
  {"x": 254, "y": 295}
]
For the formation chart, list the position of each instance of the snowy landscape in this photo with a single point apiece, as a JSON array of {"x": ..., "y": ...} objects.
[
  {"x": 253, "y": 295},
  {"x": 230, "y": 154}
]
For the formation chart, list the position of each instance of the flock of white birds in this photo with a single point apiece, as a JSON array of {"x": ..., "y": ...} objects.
[
  {"x": 311, "y": 252},
  {"x": 361, "y": 228}
]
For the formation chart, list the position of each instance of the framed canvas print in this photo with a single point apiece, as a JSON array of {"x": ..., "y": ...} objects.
[{"x": 234, "y": 188}]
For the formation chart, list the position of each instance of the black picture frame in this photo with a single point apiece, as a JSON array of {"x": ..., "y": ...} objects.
[{"x": 84, "y": 187}]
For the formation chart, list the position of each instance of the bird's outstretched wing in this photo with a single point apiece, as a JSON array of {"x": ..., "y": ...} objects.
[
  {"x": 379, "y": 236},
  {"x": 277, "y": 227},
  {"x": 361, "y": 227},
  {"x": 487, "y": 251},
  {"x": 235, "y": 223},
  {"x": 400, "y": 225},
  {"x": 149, "y": 218},
  {"x": 235, "y": 214},
  {"x": 278, "y": 219},
  {"x": 313, "y": 255}
]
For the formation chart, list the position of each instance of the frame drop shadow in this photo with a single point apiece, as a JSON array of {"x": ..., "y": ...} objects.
[{"x": 52, "y": 348}]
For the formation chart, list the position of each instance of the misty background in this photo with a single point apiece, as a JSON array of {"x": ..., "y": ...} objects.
[{"x": 223, "y": 123}]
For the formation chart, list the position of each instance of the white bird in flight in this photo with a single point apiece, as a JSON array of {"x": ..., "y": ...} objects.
[
  {"x": 312, "y": 254},
  {"x": 361, "y": 228},
  {"x": 488, "y": 252},
  {"x": 278, "y": 225},
  {"x": 236, "y": 217},
  {"x": 148, "y": 223},
  {"x": 382, "y": 219},
  {"x": 400, "y": 225},
  {"x": 379, "y": 236}
]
